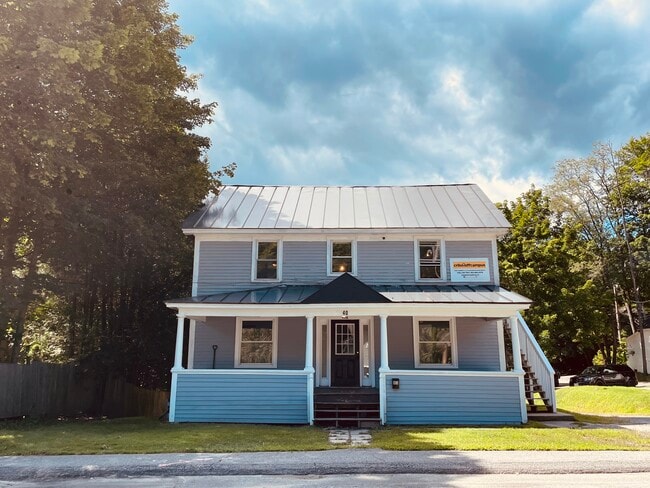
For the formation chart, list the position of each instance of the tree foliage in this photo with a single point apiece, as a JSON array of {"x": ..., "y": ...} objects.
[
  {"x": 100, "y": 164},
  {"x": 544, "y": 260}
]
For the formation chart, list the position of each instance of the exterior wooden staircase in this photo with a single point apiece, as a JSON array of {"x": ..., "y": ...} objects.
[
  {"x": 536, "y": 398},
  {"x": 346, "y": 407}
]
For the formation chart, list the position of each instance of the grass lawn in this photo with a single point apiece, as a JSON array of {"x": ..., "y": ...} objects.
[
  {"x": 533, "y": 437},
  {"x": 604, "y": 400},
  {"x": 143, "y": 435}
]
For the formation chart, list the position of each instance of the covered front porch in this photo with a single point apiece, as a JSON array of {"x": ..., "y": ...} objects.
[{"x": 431, "y": 363}]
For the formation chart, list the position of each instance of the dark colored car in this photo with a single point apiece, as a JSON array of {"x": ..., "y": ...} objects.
[{"x": 610, "y": 374}]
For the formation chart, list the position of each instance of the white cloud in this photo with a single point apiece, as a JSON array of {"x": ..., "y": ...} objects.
[{"x": 629, "y": 13}]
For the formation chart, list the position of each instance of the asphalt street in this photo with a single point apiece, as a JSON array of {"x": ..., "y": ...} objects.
[{"x": 322, "y": 463}]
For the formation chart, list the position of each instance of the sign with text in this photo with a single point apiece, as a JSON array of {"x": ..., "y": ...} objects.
[{"x": 470, "y": 269}]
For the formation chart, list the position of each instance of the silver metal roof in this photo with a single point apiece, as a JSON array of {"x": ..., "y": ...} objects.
[
  {"x": 348, "y": 207},
  {"x": 293, "y": 294}
]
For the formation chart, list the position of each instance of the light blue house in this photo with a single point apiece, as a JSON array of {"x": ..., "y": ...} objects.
[{"x": 314, "y": 304}]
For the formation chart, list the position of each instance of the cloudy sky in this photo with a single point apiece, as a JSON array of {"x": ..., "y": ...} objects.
[{"x": 404, "y": 92}]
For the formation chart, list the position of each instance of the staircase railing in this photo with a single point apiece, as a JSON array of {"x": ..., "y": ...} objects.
[{"x": 536, "y": 358}]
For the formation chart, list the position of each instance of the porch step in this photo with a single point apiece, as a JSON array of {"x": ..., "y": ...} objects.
[{"x": 346, "y": 407}]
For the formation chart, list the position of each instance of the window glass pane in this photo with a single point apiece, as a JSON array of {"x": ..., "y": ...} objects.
[
  {"x": 256, "y": 353},
  {"x": 265, "y": 335},
  {"x": 429, "y": 252},
  {"x": 345, "y": 340},
  {"x": 434, "y": 331},
  {"x": 267, "y": 250},
  {"x": 430, "y": 271},
  {"x": 267, "y": 270},
  {"x": 435, "y": 353},
  {"x": 342, "y": 265},
  {"x": 342, "y": 249}
]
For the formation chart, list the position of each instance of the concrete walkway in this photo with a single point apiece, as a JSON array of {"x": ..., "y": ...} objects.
[{"x": 339, "y": 461}]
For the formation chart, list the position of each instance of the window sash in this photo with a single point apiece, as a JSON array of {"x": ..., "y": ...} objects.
[
  {"x": 266, "y": 260},
  {"x": 436, "y": 347},
  {"x": 341, "y": 257},
  {"x": 256, "y": 343},
  {"x": 429, "y": 260}
]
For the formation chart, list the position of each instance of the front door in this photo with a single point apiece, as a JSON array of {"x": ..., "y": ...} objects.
[{"x": 345, "y": 353}]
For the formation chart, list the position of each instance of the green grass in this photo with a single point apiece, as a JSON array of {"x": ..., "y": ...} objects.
[
  {"x": 604, "y": 400},
  {"x": 141, "y": 435},
  {"x": 530, "y": 437}
]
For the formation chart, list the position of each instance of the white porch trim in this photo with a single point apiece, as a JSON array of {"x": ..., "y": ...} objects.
[
  {"x": 309, "y": 367},
  {"x": 502, "y": 345},
  {"x": 516, "y": 360},
  {"x": 178, "y": 366},
  {"x": 384, "y": 368}
]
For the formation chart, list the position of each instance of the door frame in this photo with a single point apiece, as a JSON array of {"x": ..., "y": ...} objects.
[{"x": 324, "y": 367}]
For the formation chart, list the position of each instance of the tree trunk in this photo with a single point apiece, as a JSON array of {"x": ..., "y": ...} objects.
[{"x": 21, "y": 310}]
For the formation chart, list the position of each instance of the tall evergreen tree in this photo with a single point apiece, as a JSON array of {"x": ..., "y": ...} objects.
[{"x": 101, "y": 164}]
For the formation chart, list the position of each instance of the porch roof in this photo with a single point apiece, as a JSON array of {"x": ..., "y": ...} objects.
[{"x": 429, "y": 294}]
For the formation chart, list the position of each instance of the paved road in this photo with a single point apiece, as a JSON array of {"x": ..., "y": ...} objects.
[
  {"x": 629, "y": 480},
  {"x": 335, "y": 462}
]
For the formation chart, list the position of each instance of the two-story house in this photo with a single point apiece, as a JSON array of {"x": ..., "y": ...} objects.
[{"x": 388, "y": 293}]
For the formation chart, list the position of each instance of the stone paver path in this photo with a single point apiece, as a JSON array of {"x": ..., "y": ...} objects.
[{"x": 353, "y": 437}]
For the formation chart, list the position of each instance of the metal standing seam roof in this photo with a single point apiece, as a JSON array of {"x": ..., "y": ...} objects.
[
  {"x": 294, "y": 294},
  {"x": 348, "y": 207}
]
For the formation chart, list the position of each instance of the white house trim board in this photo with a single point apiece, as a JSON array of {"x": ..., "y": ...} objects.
[
  {"x": 487, "y": 310},
  {"x": 351, "y": 234},
  {"x": 195, "y": 266},
  {"x": 495, "y": 263},
  {"x": 190, "y": 346}
]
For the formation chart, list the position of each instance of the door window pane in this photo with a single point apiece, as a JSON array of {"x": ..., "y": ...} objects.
[{"x": 345, "y": 339}]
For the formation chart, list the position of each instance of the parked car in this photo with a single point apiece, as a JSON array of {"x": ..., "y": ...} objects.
[{"x": 610, "y": 374}]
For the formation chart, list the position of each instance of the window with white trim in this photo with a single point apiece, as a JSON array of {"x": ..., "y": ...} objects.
[
  {"x": 434, "y": 341},
  {"x": 342, "y": 257},
  {"x": 266, "y": 260},
  {"x": 429, "y": 260},
  {"x": 256, "y": 344}
]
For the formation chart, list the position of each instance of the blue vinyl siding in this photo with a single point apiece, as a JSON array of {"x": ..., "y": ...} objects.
[
  {"x": 226, "y": 265},
  {"x": 381, "y": 262},
  {"x": 478, "y": 346},
  {"x": 221, "y": 331},
  {"x": 469, "y": 249},
  {"x": 453, "y": 400},
  {"x": 304, "y": 263},
  {"x": 245, "y": 398}
]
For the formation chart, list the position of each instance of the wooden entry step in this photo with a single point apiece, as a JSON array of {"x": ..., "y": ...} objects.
[{"x": 346, "y": 407}]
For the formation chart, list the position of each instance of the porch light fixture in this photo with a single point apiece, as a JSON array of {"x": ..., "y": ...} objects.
[{"x": 395, "y": 383}]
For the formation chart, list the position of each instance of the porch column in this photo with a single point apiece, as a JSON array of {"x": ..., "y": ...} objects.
[
  {"x": 178, "y": 355},
  {"x": 516, "y": 348},
  {"x": 178, "y": 366},
  {"x": 517, "y": 366},
  {"x": 309, "y": 367},
  {"x": 383, "y": 367}
]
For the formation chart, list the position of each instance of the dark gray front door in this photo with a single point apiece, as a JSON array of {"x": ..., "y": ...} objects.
[{"x": 345, "y": 353}]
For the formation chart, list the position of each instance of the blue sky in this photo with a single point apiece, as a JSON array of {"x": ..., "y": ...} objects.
[{"x": 415, "y": 92}]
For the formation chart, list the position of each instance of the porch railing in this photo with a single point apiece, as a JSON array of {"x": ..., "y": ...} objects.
[{"x": 536, "y": 358}]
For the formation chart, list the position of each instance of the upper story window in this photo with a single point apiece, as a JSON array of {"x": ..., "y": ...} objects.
[
  {"x": 342, "y": 257},
  {"x": 429, "y": 265},
  {"x": 435, "y": 342},
  {"x": 267, "y": 256}
]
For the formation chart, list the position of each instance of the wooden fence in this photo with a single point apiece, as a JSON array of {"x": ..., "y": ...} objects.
[{"x": 53, "y": 390}]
